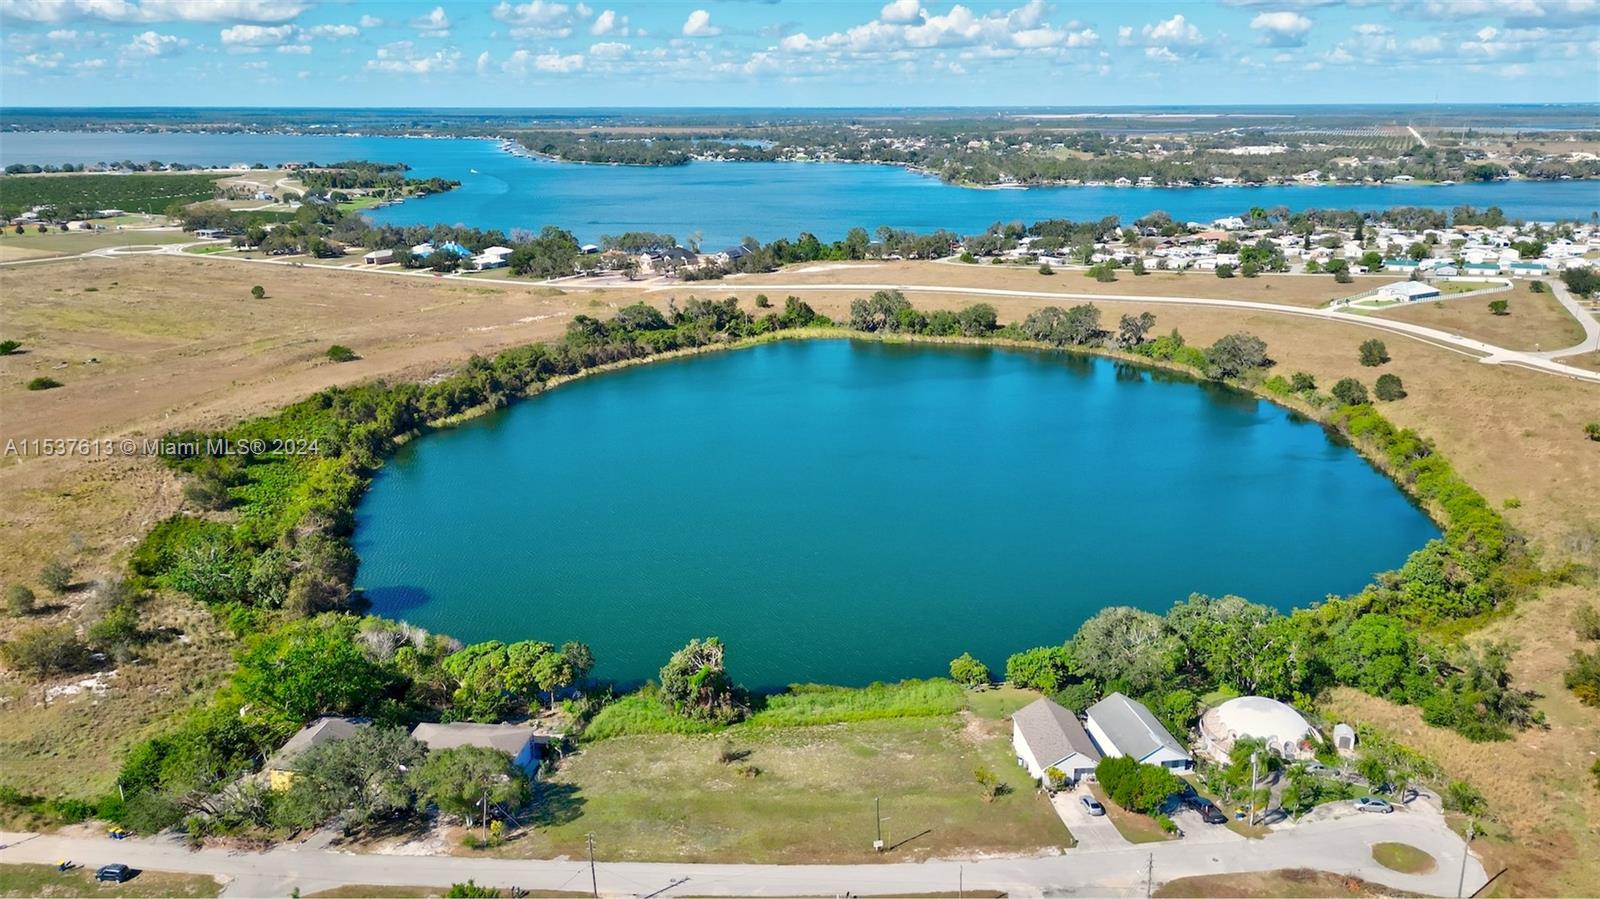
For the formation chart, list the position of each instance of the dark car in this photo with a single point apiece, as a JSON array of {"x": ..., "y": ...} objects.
[
  {"x": 1208, "y": 810},
  {"x": 113, "y": 873},
  {"x": 1094, "y": 806}
]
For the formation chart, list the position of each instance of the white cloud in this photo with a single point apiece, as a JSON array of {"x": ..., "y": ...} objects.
[
  {"x": 1282, "y": 29},
  {"x": 1125, "y": 36},
  {"x": 539, "y": 18},
  {"x": 523, "y": 61},
  {"x": 1160, "y": 54},
  {"x": 151, "y": 43},
  {"x": 402, "y": 57},
  {"x": 995, "y": 34},
  {"x": 295, "y": 49},
  {"x": 256, "y": 35},
  {"x": 901, "y": 12},
  {"x": 434, "y": 24},
  {"x": 128, "y": 11},
  {"x": 332, "y": 31},
  {"x": 608, "y": 50},
  {"x": 609, "y": 23},
  {"x": 1174, "y": 31},
  {"x": 699, "y": 25},
  {"x": 371, "y": 22},
  {"x": 1526, "y": 13}
]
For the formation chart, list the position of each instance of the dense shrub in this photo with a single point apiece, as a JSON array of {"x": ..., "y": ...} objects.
[{"x": 1134, "y": 786}]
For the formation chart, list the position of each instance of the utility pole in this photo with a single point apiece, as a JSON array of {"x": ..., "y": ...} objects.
[
  {"x": 1251, "y": 819},
  {"x": 1149, "y": 876},
  {"x": 961, "y": 881},
  {"x": 594, "y": 883},
  {"x": 877, "y": 811},
  {"x": 485, "y": 816},
  {"x": 1461, "y": 882}
]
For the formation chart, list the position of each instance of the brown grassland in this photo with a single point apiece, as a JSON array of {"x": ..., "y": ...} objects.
[
  {"x": 181, "y": 343},
  {"x": 1535, "y": 320}
]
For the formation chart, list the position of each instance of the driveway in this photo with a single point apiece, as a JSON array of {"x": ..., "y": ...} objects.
[{"x": 1093, "y": 832}]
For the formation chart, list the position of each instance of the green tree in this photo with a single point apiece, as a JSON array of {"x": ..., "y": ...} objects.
[
  {"x": 1499, "y": 307},
  {"x": 1134, "y": 786},
  {"x": 1045, "y": 268},
  {"x": 1302, "y": 381},
  {"x": 355, "y": 780},
  {"x": 1235, "y": 354},
  {"x": 258, "y": 292},
  {"x": 968, "y": 671},
  {"x": 1045, "y": 668},
  {"x": 465, "y": 780},
  {"x": 1373, "y": 352},
  {"x": 695, "y": 683},
  {"x": 19, "y": 600},
  {"x": 1224, "y": 270},
  {"x": 1350, "y": 392},
  {"x": 44, "y": 650},
  {"x": 341, "y": 353},
  {"x": 1131, "y": 329},
  {"x": 311, "y": 667},
  {"x": 1127, "y": 646},
  {"x": 116, "y": 632},
  {"x": 1389, "y": 388},
  {"x": 7, "y": 347},
  {"x": 1592, "y": 430},
  {"x": 495, "y": 678},
  {"x": 1374, "y": 654}
]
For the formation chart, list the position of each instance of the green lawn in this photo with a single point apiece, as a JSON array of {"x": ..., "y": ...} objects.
[
  {"x": 1463, "y": 286},
  {"x": 73, "y": 242},
  {"x": 1403, "y": 857},
  {"x": 45, "y": 881},
  {"x": 794, "y": 795}
]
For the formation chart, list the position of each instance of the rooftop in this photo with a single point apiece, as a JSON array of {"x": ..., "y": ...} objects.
[
  {"x": 1053, "y": 732},
  {"x": 1131, "y": 727}
]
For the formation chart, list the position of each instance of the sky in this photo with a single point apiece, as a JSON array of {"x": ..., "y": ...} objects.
[{"x": 539, "y": 53}]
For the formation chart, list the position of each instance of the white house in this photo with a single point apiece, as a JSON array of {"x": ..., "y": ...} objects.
[
  {"x": 1285, "y": 731},
  {"x": 1123, "y": 727},
  {"x": 492, "y": 257},
  {"x": 378, "y": 257},
  {"x": 1047, "y": 735},
  {"x": 518, "y": 741},
  {"x": 1409, "y": 290}
]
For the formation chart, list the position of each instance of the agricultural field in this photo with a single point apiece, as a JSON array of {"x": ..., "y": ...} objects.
[{"x": 130, "y": 193}]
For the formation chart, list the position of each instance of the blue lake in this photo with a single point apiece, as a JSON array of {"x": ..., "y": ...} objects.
[
  {"x": 724, "y": 202},
  {"x": 845, "y": 511}
]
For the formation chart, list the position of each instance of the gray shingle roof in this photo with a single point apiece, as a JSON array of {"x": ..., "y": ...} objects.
[
  {"x": 1131, "y": 727},
  {"x": 508, "y": 738},
  {"x": 1053, "y": 732},
  {"x": 322, "y": 730}
]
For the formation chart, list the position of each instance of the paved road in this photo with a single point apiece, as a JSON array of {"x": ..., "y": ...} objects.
[
  {"x": 1342, "y": 845},
  {"x": 1591, "y": 325},
  {"x": 1484, "y": 352}
]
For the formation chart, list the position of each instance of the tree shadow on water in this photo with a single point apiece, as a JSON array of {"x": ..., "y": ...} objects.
[{"x": 395, "y": 600}]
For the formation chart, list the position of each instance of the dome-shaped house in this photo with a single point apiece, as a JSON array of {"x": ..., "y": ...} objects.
[{"x": 1287, "y": 733}]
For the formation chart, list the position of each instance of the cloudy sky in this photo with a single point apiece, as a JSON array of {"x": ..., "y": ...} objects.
[{"x": 794, "y": 53}]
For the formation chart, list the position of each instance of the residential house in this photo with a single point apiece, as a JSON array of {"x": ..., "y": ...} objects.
[
  {"x": 1122, "y": 727},
  {"x": 1528, "y": 269},
  {"x": 280, "y": 768},
  {"x": 1400, "y": 264},
  {"x": 1410, "y": 291},
  {"x": 1047, "y": 735},
  {"x": 378, "y": 257},
  {"x": 491, "y": 257},
  {"x": 520, "y": 742},
  {"x": 1481, "y": 268}
]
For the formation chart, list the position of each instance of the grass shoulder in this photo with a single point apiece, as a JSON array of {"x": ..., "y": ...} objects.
[{"x": 45, "y": 882}]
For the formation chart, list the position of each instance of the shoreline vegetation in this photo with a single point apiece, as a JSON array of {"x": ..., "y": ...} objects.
[{"x": 270, "y": 556}]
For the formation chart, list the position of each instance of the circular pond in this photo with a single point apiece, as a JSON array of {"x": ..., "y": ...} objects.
[{"x": 844, "y": 512}]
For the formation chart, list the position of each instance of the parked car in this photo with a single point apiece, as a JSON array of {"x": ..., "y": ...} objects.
[
  {"x": 113, "y": 873},
  {"x": 1208, "y": 810},
  {"x": 1374, "y": 804},
  {"x": 1318, "y": 769},
  {"x": 1093, "y": 806}
]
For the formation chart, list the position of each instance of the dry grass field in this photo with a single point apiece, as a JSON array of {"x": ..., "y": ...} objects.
[
  {"x": 1536, "y": 321},
  {"x": 33, "y": 245},
  {"x": 1291, "y": 290},
  {"x": 180, "y": 343}
]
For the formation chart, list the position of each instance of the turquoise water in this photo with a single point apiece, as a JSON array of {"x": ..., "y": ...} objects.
[
  {"x": 847, "y": 512},
  {"x": 724, "y": 202}
]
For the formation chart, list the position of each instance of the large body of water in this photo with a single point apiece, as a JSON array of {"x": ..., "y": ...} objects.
[
  {"x": 723, "y": 202},
  {"x": 845, "y": 512}
]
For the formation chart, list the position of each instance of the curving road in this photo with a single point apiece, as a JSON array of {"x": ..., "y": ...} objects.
[
  {"x": 1342, "y": 845},
  {"x": 1485, "y": 352}
]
